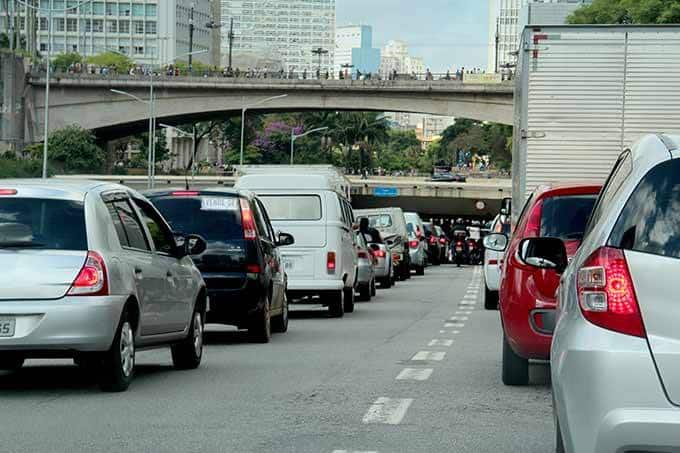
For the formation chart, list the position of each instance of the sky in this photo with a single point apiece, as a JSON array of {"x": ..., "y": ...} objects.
[{"x": 446, "y": 33}]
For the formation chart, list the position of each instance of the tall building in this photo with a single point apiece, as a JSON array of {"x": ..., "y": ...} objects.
[
  {"x": 506, "y": 24},
  {"x": 354, "y": 47},
  {"x": 290, "y": 32},
  {"x": 395, "y": 57},
  {"x": 149, "y": 31}
]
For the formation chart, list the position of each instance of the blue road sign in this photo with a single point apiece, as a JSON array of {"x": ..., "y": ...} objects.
[{"x": 386, "y": 192}]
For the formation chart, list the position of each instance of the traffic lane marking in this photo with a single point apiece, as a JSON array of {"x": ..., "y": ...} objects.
[
  {"x": 387, "y": 411},
  {"x": 436, "y": 356},
  {"x": 415, "y": 374},
  {"x": 437, "y": 342}
]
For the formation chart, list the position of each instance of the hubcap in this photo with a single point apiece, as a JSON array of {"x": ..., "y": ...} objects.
[
  {"x": 127, "y": 349},
  {"x": 198, "y": 335}
]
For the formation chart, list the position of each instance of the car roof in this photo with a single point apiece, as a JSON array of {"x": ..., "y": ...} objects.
[
  {"x": 215, "y": 191},
  {"x": 574, "y": 188},
  {"x": 70, "y": 189}
]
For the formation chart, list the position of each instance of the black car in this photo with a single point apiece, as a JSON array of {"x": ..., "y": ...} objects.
[
  {"x": 447, "y": 176},
  {"x": 241, "y": 265}
]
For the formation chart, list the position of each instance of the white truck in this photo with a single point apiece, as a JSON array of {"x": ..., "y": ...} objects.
[{"x": 585, "y": 93}]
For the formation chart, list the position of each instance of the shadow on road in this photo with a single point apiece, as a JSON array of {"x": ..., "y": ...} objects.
[
  {"x": 228, "y": 337},
  {"x": 539, "y": 374}
]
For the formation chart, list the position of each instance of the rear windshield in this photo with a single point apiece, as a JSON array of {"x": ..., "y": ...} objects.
[
  {"x": 215, "y": 219},
  {"x": 292, "y": 207},
  {"x": 650, "y": 221},
  {"x": 42, "y": 224},
  {"x": 380, "y": 221},
  {"x": 566, "y": 217}
]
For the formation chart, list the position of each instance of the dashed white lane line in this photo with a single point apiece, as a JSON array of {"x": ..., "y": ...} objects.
[
  {"x": 445, "y": 343},
  {"x": 436, "y": 356},
  {"x": 457, "y": 325},
  {"x": 415, "y": 374},
  {"x": 387, "y": 411},
  {"x": 353, "y": 451},
  {"x": 469, "y": 296},
  {"x": 458, "y": 318},
  {"x": 442, "y": 331},
  {"x": 463, "y": 312}
]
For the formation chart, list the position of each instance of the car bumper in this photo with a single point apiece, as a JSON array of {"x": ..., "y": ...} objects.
[
  {"x": 234, "y": 306},
  {"x": 313, "y": 286},
  {"x": 68, "y": 324},
  {"x": 417, "y": 257},
  {"x": 608, "y": 396},
  {"x": 382, "y": 269},
  {"x": 364, "y": 273}
]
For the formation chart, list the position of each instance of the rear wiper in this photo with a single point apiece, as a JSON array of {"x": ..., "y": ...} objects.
[{"x": 21, "y": 245}]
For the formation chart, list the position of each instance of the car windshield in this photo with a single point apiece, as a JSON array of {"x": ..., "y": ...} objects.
[
  {"x": 565, "y": 217},
  {"x": 380, "y": 221},
  {"x": 33, "y": 223},
  {"x": 214, "y": 218},
  {"x": 292, "y": 207}
]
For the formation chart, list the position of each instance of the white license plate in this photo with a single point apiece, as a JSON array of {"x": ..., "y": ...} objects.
[{"x": 7, "y": 327}]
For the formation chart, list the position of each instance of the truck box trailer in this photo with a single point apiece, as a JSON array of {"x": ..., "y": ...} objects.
[{"x": 585, "y": 93}]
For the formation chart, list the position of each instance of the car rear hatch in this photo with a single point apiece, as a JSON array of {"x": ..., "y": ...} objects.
[
  {"x": 43, "y": 245},
  {"x": 216, "y": 217},
  {"x": 302, "y": 216}
]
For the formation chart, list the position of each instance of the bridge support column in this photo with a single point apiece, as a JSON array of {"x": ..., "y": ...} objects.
[{"x": 12, "y": 88}]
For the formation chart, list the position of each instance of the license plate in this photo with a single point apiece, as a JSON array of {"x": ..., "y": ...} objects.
[
  {"x": 459, "y": 249},
  {"x": 7, "y": 327}
]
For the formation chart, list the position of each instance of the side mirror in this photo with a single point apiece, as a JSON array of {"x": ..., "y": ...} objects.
[
  {"x": 285, "y": 239},
  {"x": 496, "y": 242},
  {"x": 193, "y": 245},
  {"x": 544, "y": 253},
  {"x": 355, "y": 226}
]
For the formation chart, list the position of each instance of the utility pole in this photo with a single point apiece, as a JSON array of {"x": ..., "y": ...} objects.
[
  {"x": 191, "y": 38},
  {"x": 320, "y": 52},
  {"x": 498, "y": 41},
  {"x": 231, "y": 44}
]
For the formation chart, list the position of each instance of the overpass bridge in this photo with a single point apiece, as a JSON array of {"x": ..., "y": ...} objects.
[
  {"x": 86, "y": 99},
  {"x": 477, "y": 197}
]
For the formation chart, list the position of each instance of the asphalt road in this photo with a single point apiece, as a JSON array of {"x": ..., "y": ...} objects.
[{"x": 398, "y": 375}]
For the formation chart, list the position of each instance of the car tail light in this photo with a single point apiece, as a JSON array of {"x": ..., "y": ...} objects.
[
  {"x": 92, "y": 279},
  {"x": 6, "y": 192},
  {"x": 379, "y": 253},
  {"x": 442, "y": 241},
  {"x": 185, "y": 193},
  {"x": 248, "y": 221},
  {"x": 493, "y": 262},
  {"x": 253, "y": 268},
  {"x": 433, "y": 240},
  {"x": 330, "y": 262},
  {"x": 607, "y": 295},
  {"x": 533, "y": 227},
  {"x": 413, "y": 244},
  {"x": 363, "y": 255}
]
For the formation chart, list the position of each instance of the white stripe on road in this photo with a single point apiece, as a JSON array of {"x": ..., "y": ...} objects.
[
  {"x": 445, "y": 343},
  {"x": 353, "y": 451},
  {"x": 415, "y": 374},
  {"x": 458, "y": 318},
  {"x": 429, "y": 355},
  {"x": 463, "y": 312},
  {"x": 458, "y": 324},
  {"x": 388, "y": 411}
]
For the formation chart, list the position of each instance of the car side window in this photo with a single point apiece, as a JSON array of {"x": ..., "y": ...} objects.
[
  {"x": 261, "y": 224},
  {"x": 118, "y": 225},
  {"x": 136, "y": 239},
  {"x": 161, "y": 235},
  {"x": 622, "y": 169},
  {"x": 343, "y": 211},
  {"x": 267, "y": 221}
]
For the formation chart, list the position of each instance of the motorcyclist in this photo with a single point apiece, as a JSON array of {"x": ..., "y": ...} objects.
[
  {"x": 372, "y": 235},
  {"x": 459, "y": 233}
]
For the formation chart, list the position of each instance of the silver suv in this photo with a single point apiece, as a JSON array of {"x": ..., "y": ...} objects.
[{"x": 93, "y": 272}]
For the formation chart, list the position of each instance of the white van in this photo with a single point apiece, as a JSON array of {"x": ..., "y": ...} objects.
[{"x": 314, "y": 209}]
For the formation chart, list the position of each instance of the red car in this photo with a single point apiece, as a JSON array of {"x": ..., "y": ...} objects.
[{"x": 527, "y": 294}]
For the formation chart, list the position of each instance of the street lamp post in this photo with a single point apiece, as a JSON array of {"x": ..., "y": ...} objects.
[
  {"x": 320, "y": 52},
  {"x": 243, "y": 122},
  {"x": 192, "y": 135},
  {"x": 294, "y": 137},
  {"x": 48, "y": 56},
  {"x": 191, "y": 37}
]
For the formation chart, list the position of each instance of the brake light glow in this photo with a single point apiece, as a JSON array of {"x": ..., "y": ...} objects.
[
  {"x": 379, "y": 253},
  {"x": 6, "y": 192},
  {"x": 442, "y": 241},
  {"x": 92, "y": 279},
  {"x": 253, "y": 268},
  {"x": 248, "y": 221},
  {"x": 413, "y": 244},
  {"x": 607, "y": 295},
  {"x": 433, "y": 240},
  {"x": 362, "y": 255},
  {"x": 185, "y": 193},
  {"x": 330, "y": 262}
]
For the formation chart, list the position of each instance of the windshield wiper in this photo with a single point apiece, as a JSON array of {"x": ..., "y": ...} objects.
[{"x": 21, "y": 245}]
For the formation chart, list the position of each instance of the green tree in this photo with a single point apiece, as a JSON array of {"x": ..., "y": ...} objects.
[
  {"x": 63, "y": 61},
  {"x": 120, "y": 63},
  {"x": 4, "y": 41},
  {"x": 11, "y": 167},
  {"x": 628, "y": 12},
  {"x": 72, "y": 150},
  {"x": 141, "y": 160}
]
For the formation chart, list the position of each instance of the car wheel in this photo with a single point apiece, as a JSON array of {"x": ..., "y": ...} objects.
[
  {"x": 260, "y": 329},
  {"x": 490, "y": 299},
  {"x": 349, "y": 300},
  {"x": 280, "y": 323},
  {"x": 336, "y": 305},
  {"x": 118, "y": 363},
  {"x": 373, "y": 290},
  {"x": 11, "y": 362},
  {"x": 515, "y": 368},
  {"x": 187, "y": 355},
  {"x": 385, "y": 283},
  {"x": 420, "y": 270},
  {"x": 365, "y": 293}
]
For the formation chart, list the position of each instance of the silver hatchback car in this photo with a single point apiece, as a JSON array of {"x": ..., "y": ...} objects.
[
  {"x": 92, "y": 272},
  {"x": 616, "y": 349}
]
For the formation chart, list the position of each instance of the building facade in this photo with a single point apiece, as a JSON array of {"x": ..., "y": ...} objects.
[
  {"x": 149, "y": 31},
  {"x": 395, "y": 56},
  {"x": 354, "y": 47},
  {"x": 288, "y": 33},
  {"x": 507, "y": 19}
]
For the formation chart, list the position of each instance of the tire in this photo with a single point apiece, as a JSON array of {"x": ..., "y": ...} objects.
[
  {"x": 187, "y": 355},
  {"x": 490, "y": 299},
  {"x": 260, "y": 328},
  {"x": 336, "y": 305},
  {"x": 385, "y": 283},
  {"x": 11, "y": 362},
  {"x": 364, "y": 293},
  {"x": 280, "y": 322},
  {"x": 420, "y": 270},
  {"x": 349, "y": 300},
  {"x": 117, "y": 366},
  {"x": 374, "y": 292},
  {"x": 515, "y": 368}
]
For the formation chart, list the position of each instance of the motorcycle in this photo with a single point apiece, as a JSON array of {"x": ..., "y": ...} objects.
[
  {"x": 475, "y": 252},
  {"x": 458, "y": 252}
]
